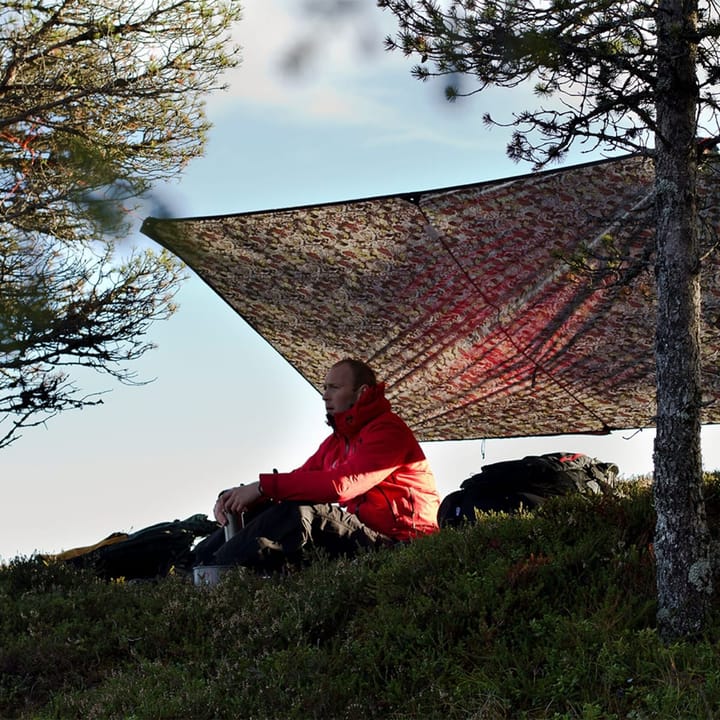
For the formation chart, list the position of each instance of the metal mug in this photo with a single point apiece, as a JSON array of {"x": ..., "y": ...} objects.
[{"x": 233, "y": 524}]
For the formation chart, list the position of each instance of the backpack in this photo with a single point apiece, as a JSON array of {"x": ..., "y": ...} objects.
[
  {"x": 512, "y": 485},
  {"x": 148, "y": 553}
]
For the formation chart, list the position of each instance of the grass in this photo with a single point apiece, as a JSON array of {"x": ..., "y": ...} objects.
[{"x": 550, "y": 615}]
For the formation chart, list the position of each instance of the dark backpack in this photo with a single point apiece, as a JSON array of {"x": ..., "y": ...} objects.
[
  {"x": 512, "y": 485},
  {"x": 147, "y": 553}
]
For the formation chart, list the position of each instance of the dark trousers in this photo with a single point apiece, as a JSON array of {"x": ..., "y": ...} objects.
[{"x": 282, "y": 534}]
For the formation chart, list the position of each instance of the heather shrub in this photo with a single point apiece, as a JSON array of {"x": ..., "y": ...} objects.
[{"x": 531, "y": 616}]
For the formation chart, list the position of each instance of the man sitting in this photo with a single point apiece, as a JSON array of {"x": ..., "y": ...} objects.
[{"x": 368, "y": 485}]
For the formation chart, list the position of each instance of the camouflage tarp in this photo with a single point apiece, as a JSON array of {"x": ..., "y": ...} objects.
[{"x": 517, "y": 307}]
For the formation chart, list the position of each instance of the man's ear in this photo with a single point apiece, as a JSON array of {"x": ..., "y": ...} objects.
[{"x": 362, "y": 389}]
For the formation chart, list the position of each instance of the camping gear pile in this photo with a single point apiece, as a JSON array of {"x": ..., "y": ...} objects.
[
  {"x": 515, "y": 485},
  {"x": 152, "y": 552}
]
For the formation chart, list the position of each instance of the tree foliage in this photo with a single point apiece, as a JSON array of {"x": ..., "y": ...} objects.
[
  {"x": 592, "y": 65},
  {"x": 62, "y": 306},
  {"x": 98, "y": 101}
]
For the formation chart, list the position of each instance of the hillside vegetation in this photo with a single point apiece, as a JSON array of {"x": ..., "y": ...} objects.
[{"x": 549, "y": 615}]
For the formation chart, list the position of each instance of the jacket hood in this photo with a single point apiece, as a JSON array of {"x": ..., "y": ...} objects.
[{"x": 369, "y": 405}]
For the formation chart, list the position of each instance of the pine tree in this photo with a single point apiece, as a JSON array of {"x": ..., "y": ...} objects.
[
  {"x": 634, "y": 76},
  {"x": 98, "y": 101}
]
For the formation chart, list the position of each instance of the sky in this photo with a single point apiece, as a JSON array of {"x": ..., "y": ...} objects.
[{"x": 223, "y": 405}]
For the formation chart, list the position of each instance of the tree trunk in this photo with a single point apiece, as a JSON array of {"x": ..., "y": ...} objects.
[{"x": 682, "y": 550}]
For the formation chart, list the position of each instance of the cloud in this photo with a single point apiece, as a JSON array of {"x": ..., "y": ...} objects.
[
  {"x": 323, "y": 68},
  {"x": 290, "y": 53}
]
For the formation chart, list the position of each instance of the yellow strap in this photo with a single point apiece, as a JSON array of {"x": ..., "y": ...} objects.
[{"x": 76, "y": 552}]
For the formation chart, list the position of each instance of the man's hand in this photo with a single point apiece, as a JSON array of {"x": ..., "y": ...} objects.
[{"x": 236, "y": 500}]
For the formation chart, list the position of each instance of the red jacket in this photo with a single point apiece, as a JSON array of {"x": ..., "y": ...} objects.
[{"x": 372, "y": 465}]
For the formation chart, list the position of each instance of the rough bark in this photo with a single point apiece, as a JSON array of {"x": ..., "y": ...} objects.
[{"x": 684, "y": 579}]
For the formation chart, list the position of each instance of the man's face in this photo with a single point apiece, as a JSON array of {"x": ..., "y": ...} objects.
[{"x": 339, "y": 390}]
